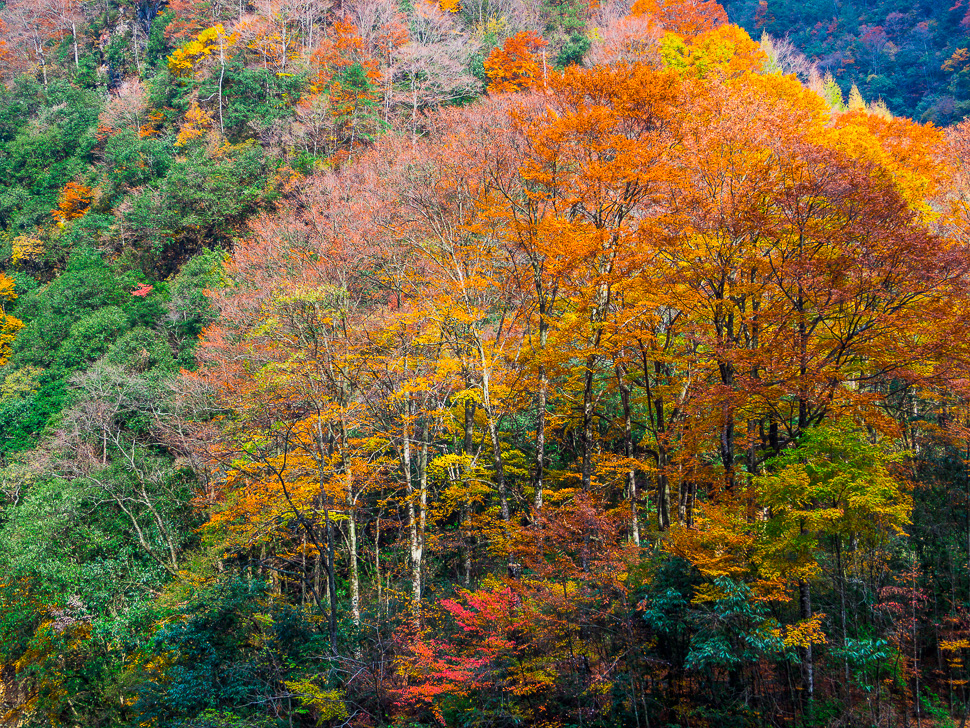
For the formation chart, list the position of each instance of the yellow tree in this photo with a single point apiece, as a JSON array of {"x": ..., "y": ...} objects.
[
  {"x": 212, "y": 42},
  {"x": 9, "y": 325}
]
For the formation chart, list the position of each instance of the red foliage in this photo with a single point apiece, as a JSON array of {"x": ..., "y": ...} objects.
[
  {"x": 522, "y": 636},
  {"x": 143, "y": 290},
  {"x": 342, "y": 48}
]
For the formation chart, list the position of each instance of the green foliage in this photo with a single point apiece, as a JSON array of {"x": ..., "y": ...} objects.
[
  {"x": 51, "y": 145},
  {"x": 191, "y": 309},
  {"x": 573, "y": 51},
  {"x": 158, "y": 48},
  {"x": 87, "y": 285},
  {"x": 90, "y": 337},
  {"x": 131, "y": 160},
  {"x": 836, "y": 483},
  {"x": 117, "y": 609},
  {"x": 833, "y": 94},
  {"x": 218, "y": 654},
  {"x": 23, "y": 419},
  {"x": 893, "y": 51},
  {"x": 84, "y": 591},
  {"x": 199, "y": 203},
  {"x": 864, "y": 656},
  {"x": 327, "y": 705},
  {"x": 253, "y": 98},
  {"x": 736, "y": 630},
  {"x": 225, "y": 719},
  {"x": 141, "y": 350}
]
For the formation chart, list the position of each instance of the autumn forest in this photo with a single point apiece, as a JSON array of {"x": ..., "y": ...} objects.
[{"x": 481, "y": 364}]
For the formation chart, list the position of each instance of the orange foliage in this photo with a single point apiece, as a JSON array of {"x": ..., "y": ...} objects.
[
  {"x": 515, "y": 66},
  {"x": 672, "y": 274},
  {"x": 350, "y": 75},
  {"x": 7, "y": 58},
  {"x": 342, "y": 48},
  {"x": 74, "y": 201},
  {"x": 150, "y": 127}
]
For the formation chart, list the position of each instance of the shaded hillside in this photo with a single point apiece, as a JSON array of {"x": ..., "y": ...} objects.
[{"x": 912, "y": 55}]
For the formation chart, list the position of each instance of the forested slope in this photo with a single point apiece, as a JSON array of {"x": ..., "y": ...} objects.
[
  {"x": 912, "y": 55},
  {"x": 482, "y": 364}
]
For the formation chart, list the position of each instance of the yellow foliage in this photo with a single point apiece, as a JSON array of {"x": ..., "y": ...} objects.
[
  {"x": 7, "y": 285},
  {"x": 327, "y": 704},
  {"x": 907, "y": 151},
  {"x": 727, "y": 49},
  {"x": 25, "y": 248},
  {"x": 197, "y": 122},
  {"x": 493, "y": 26},
  {"x": 856, "y": 102},
  {"x": 20, "y": 383},
  {"x": 183, "y": 61},
  {"x": 9, "y": 325},
  {"x": 804, "y": 633},
  {"x": 954, "y": 645},
  {"x": 720, "y": 544}
]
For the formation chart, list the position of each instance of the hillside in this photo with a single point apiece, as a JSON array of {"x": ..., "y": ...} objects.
[
  {"x": 911, "y": 55},
  {"x": 377, "y": 363}
]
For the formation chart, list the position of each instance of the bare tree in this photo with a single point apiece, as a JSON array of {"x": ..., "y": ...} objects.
[
  {"x": 432, "y": 66},
  {"x": 513, "y": 15},
  {"x": 126, "y": 106},
  {"x": 619, "y": 38},
  {"x": 786, "y": 59},
  {"x": 97, "y": 448}
]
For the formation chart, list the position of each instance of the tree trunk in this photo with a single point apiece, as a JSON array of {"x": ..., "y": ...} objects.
[
  {"x": 351, "y": 526},
  {"x": 497, "y": 462},
  {"x": 808, "y": 663},
  {"x": 222, "y": 76},
  {"x": 663, "y": 489},
  {"x": 468, "y": 445},
  {"x": 327, "y": 551},
  {"x": 541, "y": 404},
  {"x": 331, "y": 580},
  {"x": 415, "y": 542},
  {"x": 587, "y": 433},
  {"x": 628, "y": 453},
  {"x": 840, "y": 568},
  {"x": 354, "y": 567},
  {"x": 377, "y": 564},
  {"x": 537, "y": 478},
  {"x": 663, "y": 477}
]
